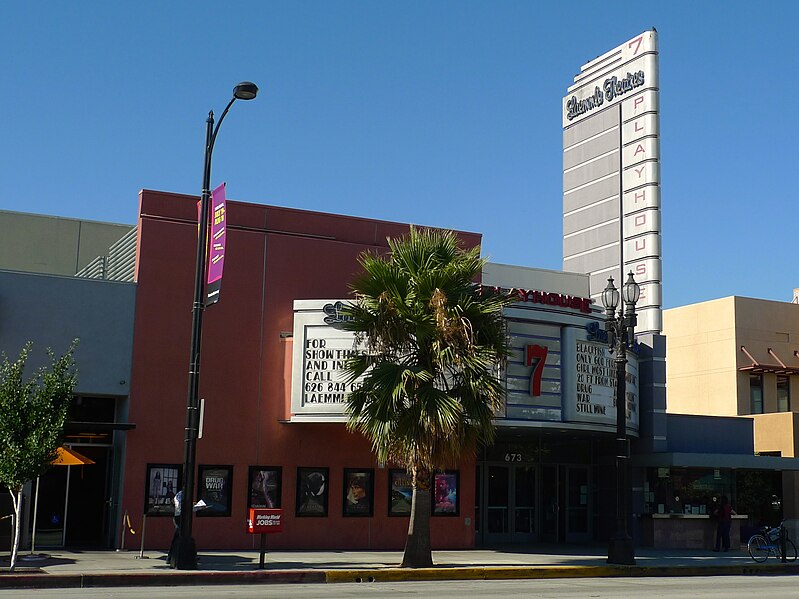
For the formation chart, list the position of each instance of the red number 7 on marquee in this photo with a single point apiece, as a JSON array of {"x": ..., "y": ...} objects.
[{"x": 539, "y": 354}]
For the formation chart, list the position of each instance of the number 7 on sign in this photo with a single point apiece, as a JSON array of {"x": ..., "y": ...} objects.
[{"x": 537, "y": 354}]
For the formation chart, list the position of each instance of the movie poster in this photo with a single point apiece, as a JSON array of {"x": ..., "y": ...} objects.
[
  {"x": 162, "y": 484},
  {"x": 400, "y": 493},
  {"x": 312, "y": 489},
  {"x": 265, "y": 485},
  {"x": 445, "y": 493},
  {"x": 358, "y": 492},
  {"x": 214, "y": 489}
]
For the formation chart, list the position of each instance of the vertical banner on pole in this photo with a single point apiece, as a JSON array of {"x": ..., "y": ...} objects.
[{"x": 216, "y": 245}]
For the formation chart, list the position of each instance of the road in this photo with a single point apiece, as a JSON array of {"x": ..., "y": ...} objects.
[{"x": 709, "y": 587}]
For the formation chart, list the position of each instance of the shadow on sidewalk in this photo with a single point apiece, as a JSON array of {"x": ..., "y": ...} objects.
[{"x": 35, "y": 561}]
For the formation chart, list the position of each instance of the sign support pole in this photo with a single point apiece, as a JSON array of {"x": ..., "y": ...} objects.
[{"x": 263, "y": 551}]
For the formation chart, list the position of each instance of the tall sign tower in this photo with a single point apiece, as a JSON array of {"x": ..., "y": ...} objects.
[{"x": 611, "y": 174}]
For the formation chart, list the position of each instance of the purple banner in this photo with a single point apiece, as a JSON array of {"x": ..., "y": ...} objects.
[{"x": 216, "y": 245}]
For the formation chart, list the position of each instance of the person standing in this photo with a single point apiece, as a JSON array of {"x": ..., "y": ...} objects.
[
  {"x": 170, "y": 558},
  {"x": 724, "y": 515}
]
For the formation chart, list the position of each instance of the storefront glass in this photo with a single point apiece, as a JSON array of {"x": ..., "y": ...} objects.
[{"x": 695, "y": 491}]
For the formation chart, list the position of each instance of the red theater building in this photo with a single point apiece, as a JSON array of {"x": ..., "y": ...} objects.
[
  {"x": 252, "y": 452},
  {"x": 273, "y": 431}
]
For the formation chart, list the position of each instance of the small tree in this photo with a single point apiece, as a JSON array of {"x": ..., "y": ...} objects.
[
  {"x": 427, "y": 386},
  {"x": 32, "y": 415}
]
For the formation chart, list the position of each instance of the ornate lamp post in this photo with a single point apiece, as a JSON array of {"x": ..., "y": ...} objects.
[
  {"x": 185, "y": 554},
  {"x": 621, "y": 334}
]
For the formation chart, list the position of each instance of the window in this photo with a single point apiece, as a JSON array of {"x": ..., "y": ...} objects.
[
  {"x": 695, "y": 491},
  {"x": 783, "y": 394},
  {"x": 756, "y": 393}
]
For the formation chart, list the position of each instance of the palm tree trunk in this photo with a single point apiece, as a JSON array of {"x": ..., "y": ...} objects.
[{"x": 418, "y": 553}]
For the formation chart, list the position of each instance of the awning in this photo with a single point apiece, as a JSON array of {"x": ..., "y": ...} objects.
[
  {"x": 760, "y": 368},
  {"x": 714, "y": 460}
]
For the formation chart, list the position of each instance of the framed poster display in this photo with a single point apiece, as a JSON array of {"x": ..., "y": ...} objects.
[
  {"x": 265, "y": 487},
  {"x": 358, "y": 491},
  {"x": 215, "y": 489},
  {"x": 400, "y": 492},
  {"x": 162, "y": 484},
  {"x": 312, "y": 491},
  {"x": 445, "y": 493}
]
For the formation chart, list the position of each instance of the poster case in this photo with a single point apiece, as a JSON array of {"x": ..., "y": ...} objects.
[
  {"x": 215, "y": 489},
  {"x": 162, "y": 484},
  {"x": 358, "y": 492},
  {"x": 312, "y": 492},
  {"x": 265, "y": 487}
]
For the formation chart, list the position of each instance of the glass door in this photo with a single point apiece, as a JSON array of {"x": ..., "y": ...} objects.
[
  {"x": 577, "y": 505},
  {"x": 509, "y": 513},
  {"x": 88, "y": 503},
  {"x": 498, "y": 503},
  {"x": 524, "y": 495},
  {"x": 551, "y": 529},
  {"x": 565, "y": 504}
]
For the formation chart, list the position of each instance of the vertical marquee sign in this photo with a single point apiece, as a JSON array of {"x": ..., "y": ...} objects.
[{"x": 611, "y": 173}]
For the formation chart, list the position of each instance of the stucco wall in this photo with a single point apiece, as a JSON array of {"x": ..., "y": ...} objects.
[
  {"x": 762, "y": 325},
  {"x": 51, "y": 311},
  {"x": 51, "y": 244},
  {"x": 776, "y": 433},
  {"x": 701, "y": 358}
]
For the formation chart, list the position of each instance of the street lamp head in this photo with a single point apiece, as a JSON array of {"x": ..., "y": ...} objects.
[
  {"x": 631, "y": 291},
  {"x": 246, "y": 90},
  {"x": 610, "y": 296}
]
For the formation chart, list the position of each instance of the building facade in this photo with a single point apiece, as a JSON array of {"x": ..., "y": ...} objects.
[
  {"x": 739, "y": 356},
  {"x": 252, "y": 451},
  {"x": 43, "y": 302},
  {"x": 53, "y": 245},
  {"x": 274, "y": 433}
]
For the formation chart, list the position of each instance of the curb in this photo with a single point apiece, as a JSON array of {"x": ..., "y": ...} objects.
[
  {"x": 544, "y": 572},
  {"x": 122, "y": 579}
]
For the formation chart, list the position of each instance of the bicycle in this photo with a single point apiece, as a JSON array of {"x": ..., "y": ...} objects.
[{"x": 767, "y": 541}]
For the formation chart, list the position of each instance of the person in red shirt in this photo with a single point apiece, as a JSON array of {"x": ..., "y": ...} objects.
[{"x": 724, "y": 523}]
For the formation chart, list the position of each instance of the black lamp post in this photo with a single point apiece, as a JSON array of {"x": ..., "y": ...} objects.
[
  {"x": 621, "y": 334},
  {"x": 185, "y": 553}
]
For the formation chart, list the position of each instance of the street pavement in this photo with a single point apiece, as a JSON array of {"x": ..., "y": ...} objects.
[{"x": 71, "y": 569}]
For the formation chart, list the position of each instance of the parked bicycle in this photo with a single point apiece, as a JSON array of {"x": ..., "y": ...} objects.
[{"x": 767, "y": 541}]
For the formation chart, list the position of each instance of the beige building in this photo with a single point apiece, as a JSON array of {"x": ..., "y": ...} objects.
[{"x": 739, "y": 356}]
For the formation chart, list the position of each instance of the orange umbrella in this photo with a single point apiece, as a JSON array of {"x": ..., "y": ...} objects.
[{"x": 70, "y": 457}]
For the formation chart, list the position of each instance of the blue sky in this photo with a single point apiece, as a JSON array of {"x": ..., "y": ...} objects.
[{"x": 437, "y": 113}]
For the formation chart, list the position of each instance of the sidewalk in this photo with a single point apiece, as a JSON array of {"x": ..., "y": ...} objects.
[{"x": 61, "y": 569}]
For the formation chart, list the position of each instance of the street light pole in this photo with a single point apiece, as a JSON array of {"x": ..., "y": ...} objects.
[
  {"x": 185, "y": 554},
  {"x": 621, "y": 335}
]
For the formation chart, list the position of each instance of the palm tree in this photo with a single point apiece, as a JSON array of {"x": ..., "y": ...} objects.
[{"x": 426, "y": 387}]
